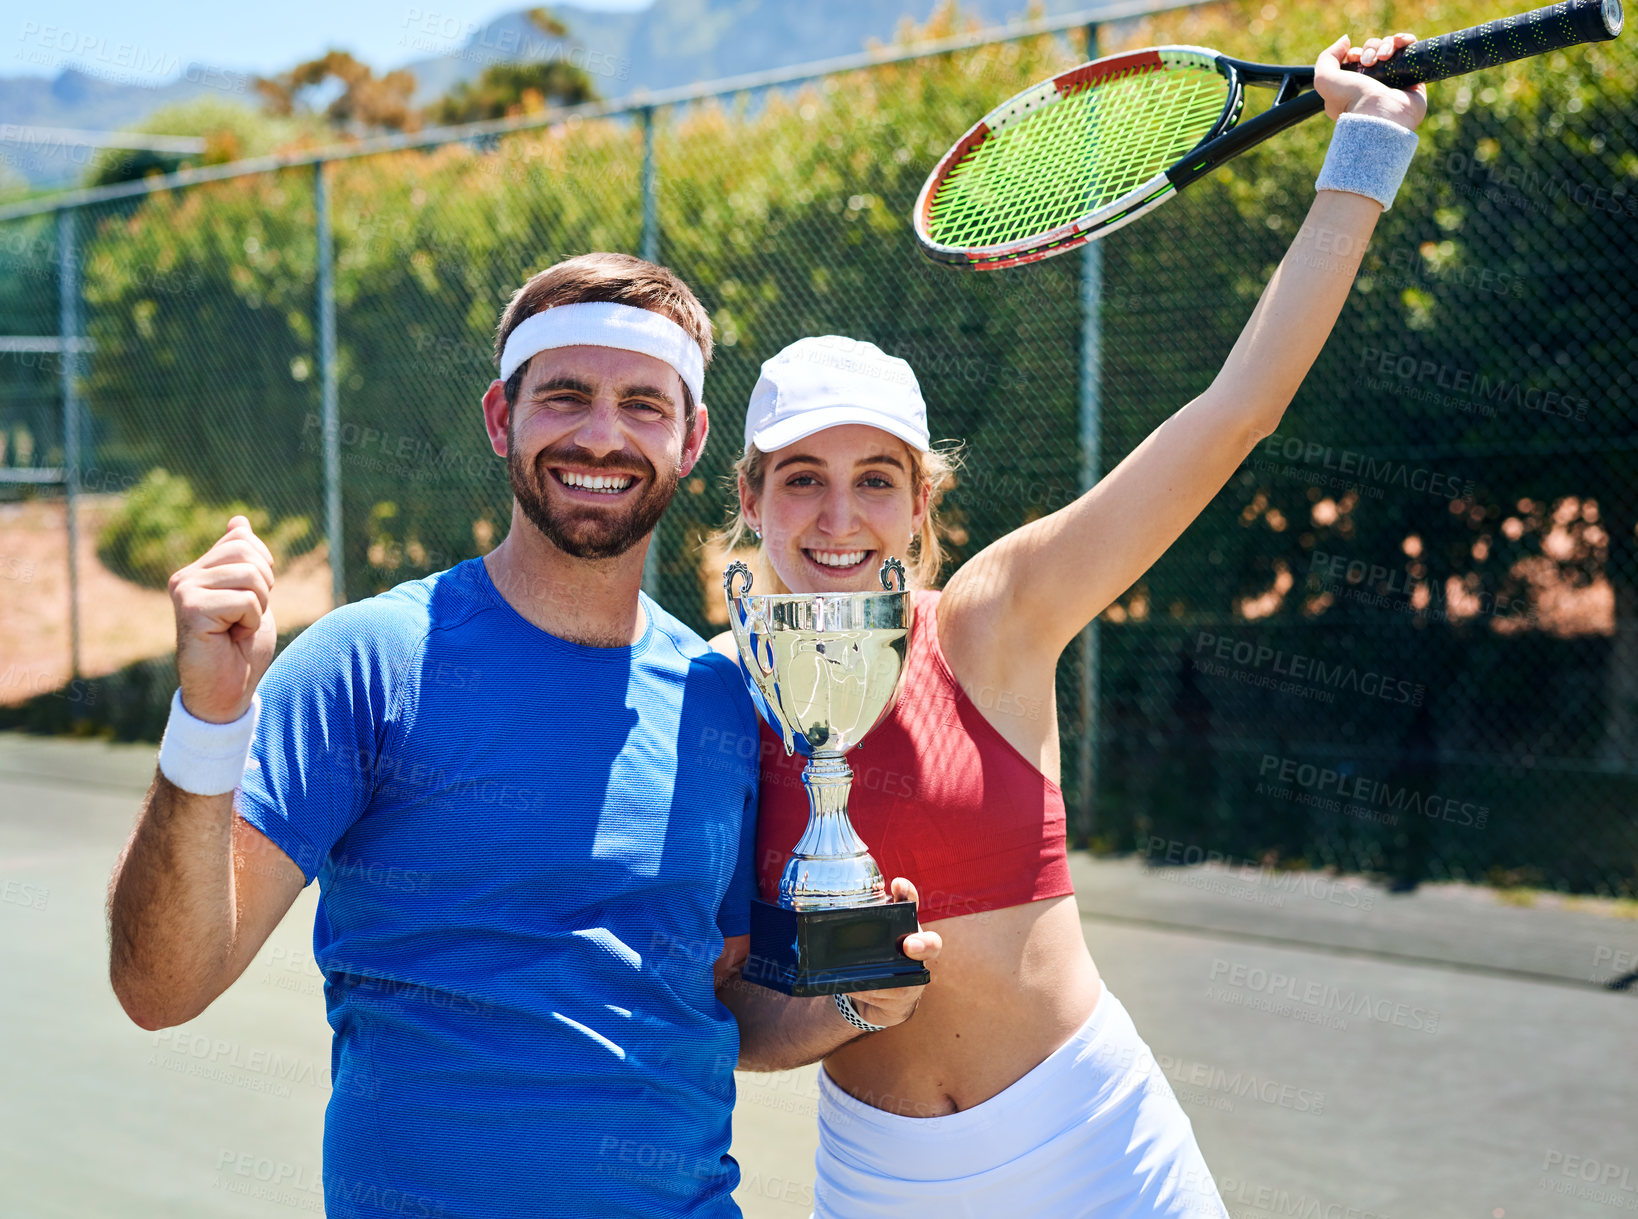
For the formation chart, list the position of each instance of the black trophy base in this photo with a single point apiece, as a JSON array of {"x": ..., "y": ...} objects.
[{"x": 831, "y": 952}]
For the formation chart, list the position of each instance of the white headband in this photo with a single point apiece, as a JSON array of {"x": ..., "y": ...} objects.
[{"x": 606, "y": 324}]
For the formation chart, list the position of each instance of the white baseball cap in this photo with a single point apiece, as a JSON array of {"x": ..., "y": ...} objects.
[{"x": 824, "y": 382}]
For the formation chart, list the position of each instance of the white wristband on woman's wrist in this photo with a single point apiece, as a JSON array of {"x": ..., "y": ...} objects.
[
  {"x": 1368, "y": 156},
  {"x": 204, "y": 758}
]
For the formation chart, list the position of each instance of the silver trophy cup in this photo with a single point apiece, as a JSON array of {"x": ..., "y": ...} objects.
[{"x": 824, "y": 670}]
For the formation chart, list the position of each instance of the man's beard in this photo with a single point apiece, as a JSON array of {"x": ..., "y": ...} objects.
[{"x": 585, "y": 532}]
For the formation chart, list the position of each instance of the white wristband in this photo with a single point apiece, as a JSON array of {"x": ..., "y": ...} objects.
[
  {"x": 204, "y": 758},
  {"x": 1368, "y": 156}
]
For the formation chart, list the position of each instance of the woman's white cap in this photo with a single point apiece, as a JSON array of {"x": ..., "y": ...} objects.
[{"x": 824, "y": 382}]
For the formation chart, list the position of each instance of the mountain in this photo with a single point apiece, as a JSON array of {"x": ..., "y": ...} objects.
[
  {"x": 85, "y": 102},
  {"x": 670, "y": 43},
  {"x": 680, "y": 42}
]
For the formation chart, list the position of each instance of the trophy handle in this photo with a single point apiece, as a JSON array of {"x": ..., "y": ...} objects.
[
  {"x": 740, "y": 612},
  {"x": 750, "y": 627},
  {"x": 889, "y": 569},
  {"x": 731, "y": 572}
]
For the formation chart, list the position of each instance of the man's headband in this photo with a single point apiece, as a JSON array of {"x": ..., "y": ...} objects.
[{"x": 606, "y": 324}]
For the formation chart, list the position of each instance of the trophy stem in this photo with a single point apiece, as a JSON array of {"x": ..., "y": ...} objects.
[{"x": 830, "y": 866}]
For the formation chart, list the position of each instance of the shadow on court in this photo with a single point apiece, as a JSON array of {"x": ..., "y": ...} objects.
[{"x": 1343, "y": 1053}]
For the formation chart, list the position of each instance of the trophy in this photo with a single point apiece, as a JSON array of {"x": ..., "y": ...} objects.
[{"x": 824, "y": 670}]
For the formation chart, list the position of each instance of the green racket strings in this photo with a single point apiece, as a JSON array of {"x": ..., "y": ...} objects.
[{"x": 1077, "y": 155}]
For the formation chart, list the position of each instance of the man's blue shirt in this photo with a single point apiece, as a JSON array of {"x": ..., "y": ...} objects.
[{"x": 529, "y": 853}]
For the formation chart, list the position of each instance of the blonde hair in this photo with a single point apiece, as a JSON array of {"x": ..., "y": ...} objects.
[{"x": 936, "y": 470}]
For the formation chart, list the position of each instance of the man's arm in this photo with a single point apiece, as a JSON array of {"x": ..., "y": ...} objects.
[
  {"x": 778, "y": 1032},
  {"x": 196, "y": 891}
]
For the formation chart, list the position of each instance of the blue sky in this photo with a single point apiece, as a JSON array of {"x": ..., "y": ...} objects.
[{"x": 153, "y": 42}]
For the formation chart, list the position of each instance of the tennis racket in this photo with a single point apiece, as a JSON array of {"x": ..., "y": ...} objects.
[{"x": 1078, "y": 156}]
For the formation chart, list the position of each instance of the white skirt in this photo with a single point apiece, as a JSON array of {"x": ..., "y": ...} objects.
[{"x": 1094, "y": 1130}]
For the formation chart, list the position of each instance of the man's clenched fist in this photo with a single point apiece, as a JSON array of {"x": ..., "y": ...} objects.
[{"x": 224, "y": 625}]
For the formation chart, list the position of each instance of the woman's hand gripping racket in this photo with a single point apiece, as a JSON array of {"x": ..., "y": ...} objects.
[{"x": 1094, "y": 148}]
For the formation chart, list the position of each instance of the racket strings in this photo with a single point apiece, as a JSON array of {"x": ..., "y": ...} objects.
[
  {"x": 1113, "y": 136},
  {"x": 1000, "y": 183},
  {"x": 1006, "y": 183},
  {"x": 1000, "y": 186},
  {"x": 1068, "y": 159}
]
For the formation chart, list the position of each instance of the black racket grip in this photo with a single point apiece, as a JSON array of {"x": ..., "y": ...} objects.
[{"x": 1553, "y": 28}]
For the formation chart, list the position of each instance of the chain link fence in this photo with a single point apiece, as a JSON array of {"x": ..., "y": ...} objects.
[{"x": 1403, "y": 640}]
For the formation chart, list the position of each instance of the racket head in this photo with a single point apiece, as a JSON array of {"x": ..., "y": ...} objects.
[{"x": 1074, "y": 157}]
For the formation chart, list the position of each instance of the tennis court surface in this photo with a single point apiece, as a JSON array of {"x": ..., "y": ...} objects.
[{"x": 1343, "y": 1053}]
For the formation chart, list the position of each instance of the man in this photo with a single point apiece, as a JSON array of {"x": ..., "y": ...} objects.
[{"x": 534, "y": 857}]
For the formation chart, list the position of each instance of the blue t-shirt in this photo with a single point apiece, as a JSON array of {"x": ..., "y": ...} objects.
[{"x": 529, "y": 853}]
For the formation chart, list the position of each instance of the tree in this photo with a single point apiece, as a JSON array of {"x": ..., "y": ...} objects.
[
  {"x": 507, "y": 89},
  {"x": 231, "y": 132},
  {"x": 365, "y": 101}
]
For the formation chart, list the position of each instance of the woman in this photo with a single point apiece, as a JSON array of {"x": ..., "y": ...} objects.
[{"x": 1019, "y": 1086}]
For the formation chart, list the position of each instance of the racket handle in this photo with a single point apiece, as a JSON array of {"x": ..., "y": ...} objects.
[{"x": 1553, "y": 28}]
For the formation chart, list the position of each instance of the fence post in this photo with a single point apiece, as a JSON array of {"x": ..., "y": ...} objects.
[
  {"x": 1091, "y": 437},
  {"x": 649, "y": 249},
  {"x": 651, "y": 220},
  {"x": 68, "y": 294},
  {"x": 331, "y": 408}
]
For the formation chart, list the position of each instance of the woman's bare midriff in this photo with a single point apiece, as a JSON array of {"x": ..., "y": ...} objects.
[{"x": 1010, "y": 987}]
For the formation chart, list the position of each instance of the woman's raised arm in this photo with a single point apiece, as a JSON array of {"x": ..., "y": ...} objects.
[{"x": 1020, "y": 601}]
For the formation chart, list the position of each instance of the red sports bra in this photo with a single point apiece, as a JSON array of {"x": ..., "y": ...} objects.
[{"x": 939, "y": 796}]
